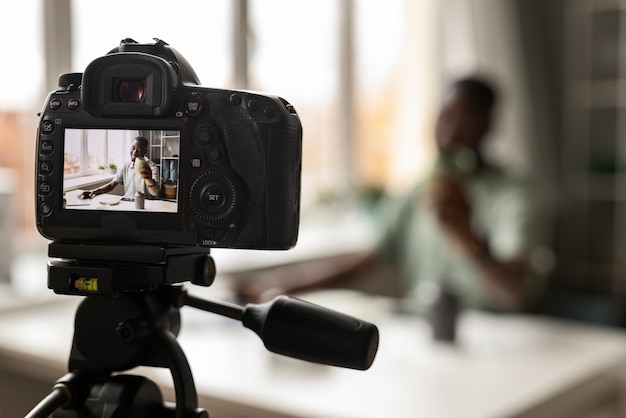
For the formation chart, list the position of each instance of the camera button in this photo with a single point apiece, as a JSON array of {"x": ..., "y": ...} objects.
[
  {"x": 215, "y": 155},
  {"x": 45, "y": 189},
  {"x": 253, "y": 105},
  {"x": 194, "y": 106},
  {"x": 45, "y": 209},
  {"x": 46, "y": 148},
  {"x": 206, "y": 134},
  {"x": 269, "y": 111},
  {"x": 45, "y": 168},
  {"x": 196, "y": 162},
  {"x": 47, "y": 127},
  {"x": 214, "y": 197},
  {"x": 235, "y": 99},
  {"x": 55, "y": 103},
  {"x": 73, "y": 104}
]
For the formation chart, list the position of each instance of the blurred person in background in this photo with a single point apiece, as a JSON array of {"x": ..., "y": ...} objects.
[{"x": 470, "y": 226}]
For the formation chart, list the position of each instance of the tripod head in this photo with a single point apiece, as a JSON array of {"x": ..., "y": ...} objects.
[{"x": 130, "y": 317}]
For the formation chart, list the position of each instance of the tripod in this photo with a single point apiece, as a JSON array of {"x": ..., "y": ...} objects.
[{"x": 131, "y": 317}]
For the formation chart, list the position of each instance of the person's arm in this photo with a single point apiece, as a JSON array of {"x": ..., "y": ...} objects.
[
  {"x": 503, "y": 280},
  {"x": 147, "y": 175},
  {"x": 301, "y": 277},
  {"x": 89, "y": 194}
]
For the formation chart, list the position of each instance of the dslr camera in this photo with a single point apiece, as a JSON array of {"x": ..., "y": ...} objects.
[{"x": 226, "y": 164}]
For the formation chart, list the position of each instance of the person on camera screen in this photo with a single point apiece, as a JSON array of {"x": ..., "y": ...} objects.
[{"x": 137, "y": 175}]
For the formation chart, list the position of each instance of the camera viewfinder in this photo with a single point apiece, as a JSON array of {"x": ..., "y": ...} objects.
[{"x": 130, "y": 90}]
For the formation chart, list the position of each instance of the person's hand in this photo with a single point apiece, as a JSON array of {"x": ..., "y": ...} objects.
[
  {"x": 86, "y": 195},
  {"x": 145, "y": 172},
  {"x": 449, "y": 201},
  {"x": 453, "y": 211}
]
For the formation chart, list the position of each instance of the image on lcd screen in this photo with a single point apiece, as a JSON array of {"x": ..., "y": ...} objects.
[{"x": 121, "y": 170}]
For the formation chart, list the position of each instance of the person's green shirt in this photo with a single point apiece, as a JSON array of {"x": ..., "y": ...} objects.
[{"x": 504, "y": 213}]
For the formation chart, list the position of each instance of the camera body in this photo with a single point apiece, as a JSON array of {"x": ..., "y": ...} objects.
[{"x": 227, "y": 162}]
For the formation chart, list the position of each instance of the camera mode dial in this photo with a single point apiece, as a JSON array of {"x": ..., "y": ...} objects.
[
  {"x": 70, "y": 81},
  {"x": 215, "y": 197}
]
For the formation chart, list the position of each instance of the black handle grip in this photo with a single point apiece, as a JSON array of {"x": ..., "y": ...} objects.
[{"x": 306, "y": 331}]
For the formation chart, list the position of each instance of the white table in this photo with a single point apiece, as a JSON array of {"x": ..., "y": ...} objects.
[
  {"x": 107, "y": 201},
  {"x": 503, "y": 366}
]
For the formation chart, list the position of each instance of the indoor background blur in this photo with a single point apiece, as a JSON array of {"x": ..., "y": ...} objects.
[{"x": 367, "y": 79}]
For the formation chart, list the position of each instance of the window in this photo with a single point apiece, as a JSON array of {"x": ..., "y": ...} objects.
[
  {"x": 200, "y": 30},
  {"x": 86, "y": 151},
  {"x": 295, "y": 54},
  {"x": 21, "y": 81},
  {"x": 298, "y": 53},
  {"x": 396, "y": 91},
  {"x": 20, "y": 78}
]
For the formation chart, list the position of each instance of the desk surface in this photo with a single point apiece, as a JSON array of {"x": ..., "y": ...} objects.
[
  {"x": 108, "y": 201},
  {"x": 502, "y": 366}
]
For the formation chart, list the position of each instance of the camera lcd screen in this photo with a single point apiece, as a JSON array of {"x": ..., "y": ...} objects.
[{"x": 121, "y": 170}]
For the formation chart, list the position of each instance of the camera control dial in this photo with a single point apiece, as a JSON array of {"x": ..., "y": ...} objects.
[
  {"x": 215, "y": 197},
  {"x": 70, "y": 81}
]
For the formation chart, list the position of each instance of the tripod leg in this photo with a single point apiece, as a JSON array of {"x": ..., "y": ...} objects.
[
  {"x": 56, "y": 399},
  {"x": 115, "y": 335},
  {"x": 67, "y": 392},
  {"x": 184, "y": 386}
]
